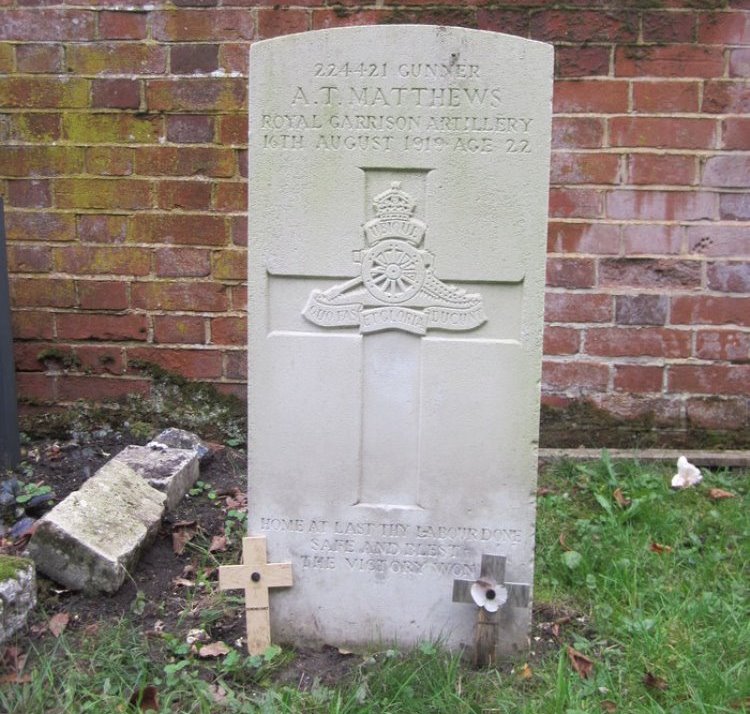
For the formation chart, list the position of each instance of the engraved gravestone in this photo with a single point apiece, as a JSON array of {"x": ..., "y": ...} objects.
[{"x": 398, "y": 192}]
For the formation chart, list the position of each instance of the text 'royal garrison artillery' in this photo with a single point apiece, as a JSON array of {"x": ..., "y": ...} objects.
[{"x": 396, "y": 288}]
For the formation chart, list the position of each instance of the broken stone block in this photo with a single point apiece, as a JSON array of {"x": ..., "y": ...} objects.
[
  {"x": 91, "y": 539},
  {"x": 173, "y": 471},
  {"x": 181, "y": 439},
  {"x": 17, "y": 594}
]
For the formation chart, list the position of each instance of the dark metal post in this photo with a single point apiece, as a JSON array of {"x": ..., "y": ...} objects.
[{"x": 9, "y": 442}]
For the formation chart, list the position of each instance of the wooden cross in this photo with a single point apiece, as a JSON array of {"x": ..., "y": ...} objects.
[
  {"x": 492, "y": 570},
  {"x": 256, "y": 576}
]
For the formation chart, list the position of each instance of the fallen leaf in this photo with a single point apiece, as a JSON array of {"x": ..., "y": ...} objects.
[
  {"x": 145, "y": 699},
  {"x": 716, "y": 494},
  {"x": 58, "y": 623},
  {"x": 608, "y": 706},
  {"x": 561, "y": 541},
  {"x": 15, "y": 678},
  {"x": 544, "y": 491},
  {"x": 622, "y": 500},
  {"x": 213, "y": 649},
  {"x": 218, "y": 694},
  {"x": 526, "y": 672},
  {"x": 182, "y": 533},
  {"x": 654, "y": 682},
  {"x": 91, "y": 629},
  {"x": 580, "y": 663},
  {"x": 13, "y": 659},
  {"x": 238, "y": 500},
  {"x": 659, "y": 548},
  {"x": 218, "y": 544},
  {"x": 158, "y": 627},
  {"x": 183, "y": 583}
]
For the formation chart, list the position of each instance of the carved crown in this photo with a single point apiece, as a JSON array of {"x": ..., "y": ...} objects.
[{"x": 394, "y": 203}]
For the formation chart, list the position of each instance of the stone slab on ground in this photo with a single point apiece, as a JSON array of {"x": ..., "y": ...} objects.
[
  {"x": 730, "y": 458},
  {"x": 173, "y": 471},
  {"x": 17, "y": 594},
  {"x": 93, "y": 537},
  {"x": 181, "y": 439}
]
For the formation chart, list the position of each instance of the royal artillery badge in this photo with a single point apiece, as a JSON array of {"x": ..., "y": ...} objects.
[{"x": 396, "y": 288}]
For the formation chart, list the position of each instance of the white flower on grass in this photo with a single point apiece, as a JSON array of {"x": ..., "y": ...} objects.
[
  {"x": 489, "y": 595},
  {"x": 687, "y": 474}
]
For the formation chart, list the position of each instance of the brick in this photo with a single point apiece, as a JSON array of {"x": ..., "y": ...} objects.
[
  {"x": 182, "y": 262},
  {"x": 193, "y": 364},
  {"x": 88, "y": 260},
  {"x": 649, "y": 273},
  {"x": 238, "y": 230},
  {"x": 659, "y": 410},
  {"x": 100, "y": 389},
  {"x": 726, "y": 98},
  {"x": 45, "y": 292},
  {"x": 187, "y": 195},
  {"x": 100, "y": 360},
  {"x": 36, "y": 387},
  {"x": 717, "y": 413},
  {"x": 214, "y": 162},
  {"x": 641, "y": 309},
  {"x": 729, "y": 277},
  {"x": 637, "y": 342},
  {"x": 116, "y": 58},
  {"x": 121, "y": 194},
  {"x": 229, "y": 331},
  {"x": 115, "y": 94},
  {"x": 238, "y": 297},
  {"x": 735, "y": 133},
  {"x": 242, "y": 159},
  {"x": 710, "y": 379},
  {"x": 668, "y": 26},
  {"x": 114, "y": 128},
  {"x": 669, "y": 61},
  {"x": 231, "y": 196},
  {"x": 33, "y": 127},
  {"x": 739, "y": 63},
  {"x": 39, "y": 58},
  {"x": 115, "y": 25},
  {"x": 570, "y": 272},
  {"x": 230, "y": 265},
  {"x": 49, "y": 25},
  {"x": 238, "y": 391},
  {"x": 561, "y": 341},
  {"x": 31, "y": 193},
  {"x": 651, "y": 238},
  {"x": 102, "y": 294},
  {"x": 273, "y": 22},
  {"x": 723, "y": 241},
  {"x": 202, "y": 25},
  {"x": 30, "y": 325},
  {"x": 196, "y": 94},
  {"x": 709, "y": 310},
  {"x": 109, "y": 161},
  {"x": 725, "y": 345},
  {"x": 729, "y": 171},
  {"x": 575, "y": 375},
  {"x": 578, "y": 307},
  {"x": 233, "y": 129},
  {"x": 662, "y": 205},
  {"x": 604, "y": 96},
  {"x": 179, "y": 329},
  {"x": 577, "y": 132},
  {"x": 104, "y": 328},
  {"x": 575, "y": 203},
  {"x": 583, "y": 26},
  {"x": 724, "y": 28},
  {"x": 514, "y": 22},
  {"x": 186, "y": 129},
  {"x": 323, "y": 19},
  {"x": 179, "y": 229},
  {"x": 581, "y": 61},
  {"x": 661, "y": 169},
  {"x": 235, "y": 366},
  {"x": 194, "y": 58},
  {"x": 191, "y": 297},
  {"x": 26, "y": 356},
  {"x": 234, "y": 58},
  {"x": 32, "y": 161},
  {"x": 638, "y": 379},
  {"x": 584, "y": 168},
  {"x": 589, "y": 238},
  {"x": 6, "y": 58},
  {"x": 663, "y": 132},
  {"x": 666, "y": 97},
  {"x": 29, "y": 258},
  {"x": 734, "y": 206},
  {"x": 101, "y": 228},
  {"x": 39, "y": 226}
]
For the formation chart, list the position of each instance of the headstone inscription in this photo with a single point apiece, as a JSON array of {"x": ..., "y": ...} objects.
[{"x": 398, "y": 189}]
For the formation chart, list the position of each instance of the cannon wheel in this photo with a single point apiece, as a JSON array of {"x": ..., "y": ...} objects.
[{"x": 393, "y": 271}]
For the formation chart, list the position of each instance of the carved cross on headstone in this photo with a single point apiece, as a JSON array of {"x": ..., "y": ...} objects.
[
  {"x": 491, "y": 595},
  {"x": 256, "y": 576}
]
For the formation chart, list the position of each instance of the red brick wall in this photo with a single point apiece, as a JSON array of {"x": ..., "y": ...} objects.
[{"x": 122, "y": 163}]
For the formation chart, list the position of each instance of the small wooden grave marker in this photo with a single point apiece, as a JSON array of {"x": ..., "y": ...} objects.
[
  {"x": 493, "y": 587},
  {"x": 256, "y": 576}
]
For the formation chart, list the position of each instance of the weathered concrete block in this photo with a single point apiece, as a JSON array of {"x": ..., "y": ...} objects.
[
  {"x": 17, "y": 594},
  {"x": 173, "y": 471},
  {"x": 181, "y": 439},
  {"x": 93, "y": 537}
]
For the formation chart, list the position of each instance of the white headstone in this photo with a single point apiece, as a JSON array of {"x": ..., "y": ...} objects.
[{"x": 398, "y": 205}]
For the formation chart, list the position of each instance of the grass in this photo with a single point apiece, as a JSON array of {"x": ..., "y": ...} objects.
[{"x": 648, "y": 585}]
